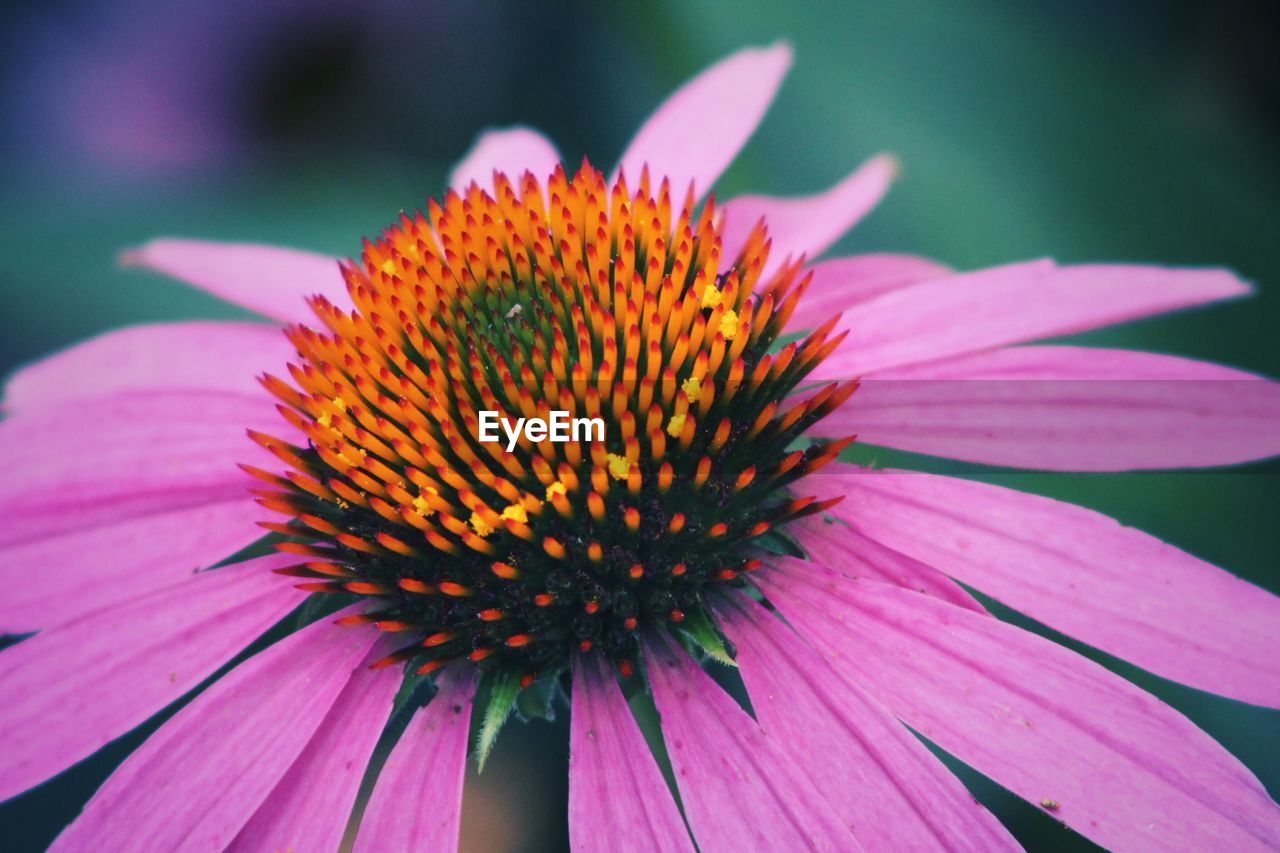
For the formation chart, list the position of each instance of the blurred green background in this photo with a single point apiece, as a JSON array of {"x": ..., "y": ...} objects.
[{"x": 1140, "y": 131}]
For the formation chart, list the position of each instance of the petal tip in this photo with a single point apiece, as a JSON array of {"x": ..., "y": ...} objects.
[
  {"x": 889, "y": 164},
  {"x": 1233, "y": 284},
  {"x": 511, "y": 149},
  {"x": 780, "y": 52}
]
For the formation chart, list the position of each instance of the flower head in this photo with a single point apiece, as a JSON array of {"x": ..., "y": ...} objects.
[
  {"x": 583, "y": 297},
  {"x": 713, "y": 522}
]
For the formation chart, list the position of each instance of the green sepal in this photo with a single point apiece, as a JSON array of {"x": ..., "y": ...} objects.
[
  {"x": 537, "y": 701},
  {"x": 411, "y": 691},
  {"x": 258, "y": 548},
  {"x": 701, "y": 630},
  {"x": 777, "y": 541},
  {"x": 499, "y": 699},
  {"x": 317, "y": 606}
]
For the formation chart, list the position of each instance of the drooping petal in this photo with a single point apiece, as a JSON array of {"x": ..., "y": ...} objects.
[
  {"x": 59, "y": 578},
  {"x": 846, "y": 550},
  {"x": 882, "y": 780},
  {"x": 698, "y": 130},
  {"x": 309, "y": 807},
  {"x": 417, "y": 801},
  {"x": 197, "y": 781},
  {"x": 82, "y": 464},
  {"x": 512, "y": 151},
  {"x": 271, "y": 280},
  {"x": 618, "y": 800},
  {"x": 1068, "y": 409},
  {"x": 975, "y": 311},
  {"x": 740, "y": 790},
  {"x": 1081, "y": 573},
  {"x": 195, "y": 356},
  {"x": 841, "y": 283},
  {"x": 1099, "y": 754},
  {"x": 74, "y": 688},
  {"x": 808, "y": 224}
]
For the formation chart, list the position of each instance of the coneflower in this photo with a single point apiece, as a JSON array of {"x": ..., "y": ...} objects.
[{"x": 446, "y": 577}]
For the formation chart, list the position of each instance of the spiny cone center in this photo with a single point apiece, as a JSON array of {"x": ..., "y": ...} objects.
[{"x": 581, "y": 297}]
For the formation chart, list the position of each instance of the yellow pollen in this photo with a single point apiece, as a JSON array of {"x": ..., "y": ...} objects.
[
  {"x": 692, "y": 389},
  {"x": 619, "y": 467},
  {"x": 421, "y": 507},
  {"x": 339, "y": 404},
  {"x": 516, "y": 512},
  {"x": 729, "y": 325},
  {"x": 325, "y": 420},
  {"x": 676, "y": 426},
  {"x": 388, "y": 266},
  {"x": 711, "y": 297},
  {"x": 480, "y": 526},
  {"x": 556, "y": 488}
]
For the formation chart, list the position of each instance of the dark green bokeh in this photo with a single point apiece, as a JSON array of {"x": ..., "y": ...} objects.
[{"x": 1081, "y": 132}]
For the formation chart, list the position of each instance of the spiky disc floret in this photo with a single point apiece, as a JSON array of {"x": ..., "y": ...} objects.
[{"x": 584, "y": 298}]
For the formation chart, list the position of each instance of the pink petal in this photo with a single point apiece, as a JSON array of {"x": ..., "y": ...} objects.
[
  {"x": 79, "y": 465},
  {"x": 990, "y": 308},
  {"x": 60, "y": 578},
  {"x": 881, "y": 779},
  {"x": 195, "y": 783},
  {"x": 807, "y": 225},
  {"x": 270, "y": 280},
  {"x": 840, "y": 283},
  {"x": 1056, "y": 362},
  {"x": 223, "y": 357},
  {"x": 309, "y": 807},
  {"x": 739, "y": 789},
  {"x": 618, "y": 800},
  {"x": 1068, "y": 409},
  {"x": 74, "y": 688},
  {"x": 843, "y": 548},
  {"x": 417, "y": 801},
  {"x": 698, "y": 130},
  {"x": 511, "y": 151},
  {"x": 1107, "y": 759},
  {"x": 1081, "y": 573}
]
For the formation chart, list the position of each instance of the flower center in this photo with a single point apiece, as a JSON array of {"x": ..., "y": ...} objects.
[{"x": 587, "y": 299}]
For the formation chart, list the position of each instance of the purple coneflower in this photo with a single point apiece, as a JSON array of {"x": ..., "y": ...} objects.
[{"x": 450, "y": 577}]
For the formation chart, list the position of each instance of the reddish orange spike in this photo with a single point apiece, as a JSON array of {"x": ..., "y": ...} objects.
[
  {"x": 439, "y": 638},
  {"x": 431, "y": 666},
  {"x": 394, "y": 657},
  {"x": 505, "y": 571},
  {"x": 368, "y": 588}
]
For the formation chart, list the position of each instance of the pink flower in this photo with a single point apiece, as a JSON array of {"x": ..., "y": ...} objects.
[{"x": 542, "y": 569}]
